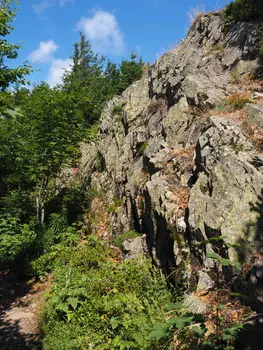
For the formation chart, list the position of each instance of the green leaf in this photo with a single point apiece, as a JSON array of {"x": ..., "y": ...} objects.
[
  {"x": 114, "y": 322},
  {"x": 160, "y": 331},
  {"x": 198, "y": 331},
  {"x": 62, "y": 307},
  {"x": 181, "y": 322},
  {"x": 73, "y": 302}
]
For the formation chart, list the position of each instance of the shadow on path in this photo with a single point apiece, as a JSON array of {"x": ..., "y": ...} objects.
[{"x": 18, "y": 322}]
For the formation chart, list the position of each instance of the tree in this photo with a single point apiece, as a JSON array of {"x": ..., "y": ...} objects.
[
  {"x": 92, "y": 81},
  {"x": 244, "y": 10},
  {"x": 51, "y": 131},
  {"x": 85, "y": 81},
  {"x": 131, "y": 70},
  {"x": 8, "y": 51}
]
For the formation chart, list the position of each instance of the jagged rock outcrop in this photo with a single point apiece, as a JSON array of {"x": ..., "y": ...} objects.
[{"x": 182, "y": 170}]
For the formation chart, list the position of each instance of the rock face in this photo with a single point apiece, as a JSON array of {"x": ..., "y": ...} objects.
[{"x": 182, "y": 170}]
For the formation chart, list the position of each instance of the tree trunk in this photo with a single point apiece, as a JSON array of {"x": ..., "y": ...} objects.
[{"x": 37, "y": 204}]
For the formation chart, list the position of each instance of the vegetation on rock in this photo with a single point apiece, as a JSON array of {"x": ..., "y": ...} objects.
[{"x": 244, "y": 10}]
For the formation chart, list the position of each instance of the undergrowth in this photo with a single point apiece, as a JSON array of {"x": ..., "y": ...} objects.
[{"x": 98, "y": 303}]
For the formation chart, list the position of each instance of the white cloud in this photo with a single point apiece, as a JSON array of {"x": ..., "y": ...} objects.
[
  {"x": 64, "y": 2},
  {"x": 44, "y": 53},
  {"x": 43, "y": 5},
  {"x": 57, "y": 69},
  {"x": 102, "y": 29}
]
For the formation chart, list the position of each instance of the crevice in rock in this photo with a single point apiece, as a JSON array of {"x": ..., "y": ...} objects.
[
  {"x": 135, "y": 216},
  {"x": 158, "y": 238},
  {"x": 198, "y": 167},
  {"x": 147, "y": 222},
  {"x": 164, "y": 245},
  {"x": 124, "y": 123}
]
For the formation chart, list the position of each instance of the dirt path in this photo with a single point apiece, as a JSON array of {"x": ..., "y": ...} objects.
[{"x": 20, "y": 304}]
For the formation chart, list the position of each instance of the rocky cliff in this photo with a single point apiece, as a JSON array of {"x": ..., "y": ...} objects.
[{"x": 183, "y": 163}]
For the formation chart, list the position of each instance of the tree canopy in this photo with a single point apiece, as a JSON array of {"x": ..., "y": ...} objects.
[{"x": 41, "y": 130}]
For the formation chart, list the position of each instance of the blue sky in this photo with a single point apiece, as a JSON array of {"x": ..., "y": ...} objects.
[{"x": 49, "y": 28}]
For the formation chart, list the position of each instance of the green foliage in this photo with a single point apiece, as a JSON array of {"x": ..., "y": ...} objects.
[
  {"x": 37, "y": 143},
  {"x": 127, "y": 235},
  {"x": 99, "y": 303},
  {"x": 92, "y": 81},
  {"x": 16, "y": 239},
  {"x": 244, "y": 10},
  {"x": 54, "y": 233},
  {"x": 48, "y": 259},
  {"x": 223, "y": 261},
  {"x": 130, "y": 71},
  {"x": 186, "y": 327},
  {"x": 9, "y": 51}
]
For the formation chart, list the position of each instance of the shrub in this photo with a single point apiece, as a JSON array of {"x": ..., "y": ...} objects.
[
  {"x": 237, "y": 101},
  {"x": 244, "y": 10},
  {"x": 101, "y": 304},
  {"x": 46, "y": 262},
  {"x": 16, "y": 239},
  {"x": 130, "y": 234}
]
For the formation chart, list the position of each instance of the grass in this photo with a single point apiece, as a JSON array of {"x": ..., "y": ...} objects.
[
  {"x": 195, "y": 13},
  {"x": 217, "y": 50},
  {"x": 237, "y": 101},
  {"x": 142, "y": 148}
]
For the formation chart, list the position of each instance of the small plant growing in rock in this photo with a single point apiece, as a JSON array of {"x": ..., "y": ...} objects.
[
  {"x": 237, "y": 101},
  {"x": 127, "y": 235},
  {"x": 217, "y": 50},
  {"x": 142, "y": 148},
  {"x": 156, "y": 105},
  {"x": 117, "y": 203},
  {"x": 117, "y": 109}
]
